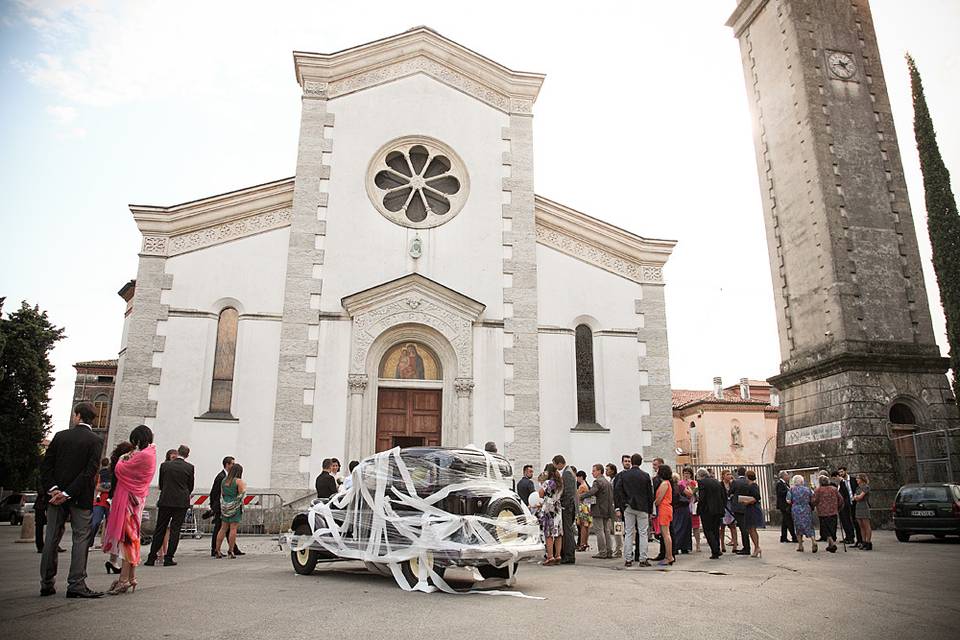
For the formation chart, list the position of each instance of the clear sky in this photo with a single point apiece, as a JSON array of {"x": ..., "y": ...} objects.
[{"x": 642, "y": 121}]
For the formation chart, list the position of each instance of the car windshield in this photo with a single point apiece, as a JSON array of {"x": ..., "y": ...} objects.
[
  {"x": 924, "y": 494},
  {"x": 431, "y": 470}
]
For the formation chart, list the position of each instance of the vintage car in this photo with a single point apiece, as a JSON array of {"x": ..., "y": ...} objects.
[{"x": 412, "y": 513}]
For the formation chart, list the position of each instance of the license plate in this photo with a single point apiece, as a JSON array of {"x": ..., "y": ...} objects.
[{"x": 922, "y": 513}]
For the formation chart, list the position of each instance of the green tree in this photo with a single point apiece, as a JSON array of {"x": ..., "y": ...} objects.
[
  {"x": 26, "y": 338},
  {"x": 943, "y": 222}
]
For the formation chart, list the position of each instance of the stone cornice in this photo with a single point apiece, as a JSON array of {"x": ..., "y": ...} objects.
[
  {"x": 206, "y": 212},
  {"x": 599, "y": 243},
  {"x": 419, "y": 50},
  {"x": 180, "y": 228},
  {"x": 744, "y": 14}
]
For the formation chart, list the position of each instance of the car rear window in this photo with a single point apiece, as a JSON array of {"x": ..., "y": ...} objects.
[{"x": 921, "y": 494}]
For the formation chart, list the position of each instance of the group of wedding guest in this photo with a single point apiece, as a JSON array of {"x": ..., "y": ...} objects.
[
  {"x": 836, "y": 498},
  {"x": 628, "y": 509},
  {"x": 74, "y": 482}
]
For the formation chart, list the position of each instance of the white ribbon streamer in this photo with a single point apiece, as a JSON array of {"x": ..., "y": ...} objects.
[{"x": 393, "y": 524}]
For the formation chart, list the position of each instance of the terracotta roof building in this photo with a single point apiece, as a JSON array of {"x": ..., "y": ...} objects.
[{"x": 726, "y": 425}]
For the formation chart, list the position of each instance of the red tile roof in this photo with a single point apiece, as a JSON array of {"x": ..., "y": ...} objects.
[
  {"x": 97, "y": 363},
  {"x": 687, "y": 397}
]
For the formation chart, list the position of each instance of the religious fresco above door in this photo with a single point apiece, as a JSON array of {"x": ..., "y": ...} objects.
[{"x": 410, "y": 361}]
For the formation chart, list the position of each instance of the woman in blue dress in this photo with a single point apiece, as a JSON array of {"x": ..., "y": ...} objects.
[{"x": 799, "y": 498}]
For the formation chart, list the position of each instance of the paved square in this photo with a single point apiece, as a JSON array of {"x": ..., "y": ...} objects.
[{"x": 897, "y": 591}]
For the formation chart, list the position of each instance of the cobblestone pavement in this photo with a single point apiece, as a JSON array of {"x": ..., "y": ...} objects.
[{"x": 897, "y": 591}]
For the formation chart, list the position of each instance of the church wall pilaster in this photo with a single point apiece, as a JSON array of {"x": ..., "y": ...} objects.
[
  {"x": 521, "y": 358},
  {"x": 302, "y": 289},
  {"x": 138, "y": 372},
  {"x": 656, "y": 403}
]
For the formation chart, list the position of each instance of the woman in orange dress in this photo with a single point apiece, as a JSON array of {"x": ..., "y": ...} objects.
[
  {"x": 132, "y": 478},
  {"x": 664, "y": 501}
]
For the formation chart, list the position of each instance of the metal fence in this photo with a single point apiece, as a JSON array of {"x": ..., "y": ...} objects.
[
  {"x": 935, "y": 456},
  {"x": 765, "y": 478},
  {"x": 263, "y": 513}
]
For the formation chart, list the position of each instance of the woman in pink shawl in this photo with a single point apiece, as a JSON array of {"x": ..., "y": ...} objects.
[{"x": 132, "y": 480}]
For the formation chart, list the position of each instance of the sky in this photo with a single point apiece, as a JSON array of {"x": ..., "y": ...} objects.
[{"x": 642, "y": 121}]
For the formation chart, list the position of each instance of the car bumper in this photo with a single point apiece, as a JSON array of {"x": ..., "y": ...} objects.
[
  {"x": 463, "y": 556},
  {"x": 927, "y": 525}
]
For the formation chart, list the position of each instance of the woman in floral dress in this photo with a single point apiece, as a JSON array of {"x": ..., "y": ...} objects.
[
  {"x": 132, "y": 478},
  {"x": 799, "y": 498},
  {"x": 550, "y": 511},
  {"x": 584, "y": 519}
]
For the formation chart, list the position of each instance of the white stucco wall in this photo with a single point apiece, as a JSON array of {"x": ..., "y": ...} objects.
[
  {"x": 362, "y": 248},
  {"x": 251, "y": 271},
  {"x": 328, "y": 431},
  {"x": 571, "y": 291},
  {"x": 488, "y": 395}
]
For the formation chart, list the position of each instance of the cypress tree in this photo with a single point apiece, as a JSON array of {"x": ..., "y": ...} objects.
[{"x": 943, "y": 222}]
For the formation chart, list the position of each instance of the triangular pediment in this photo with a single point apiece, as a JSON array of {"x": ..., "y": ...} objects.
[
  {"x": 420, "y": 50},
  {"x": 412, "y": 292}
]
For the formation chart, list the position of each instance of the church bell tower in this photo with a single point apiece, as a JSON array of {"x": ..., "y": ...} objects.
[{"x": 861, "y": 372}]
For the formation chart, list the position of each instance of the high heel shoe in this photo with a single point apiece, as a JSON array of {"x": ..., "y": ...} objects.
[
  {"x": 133, "y": 585},
  {"x": 756, "y": 554},
  {"x": 666, "y": 563},
  {"x": 814, "y": 547},
  {"x": 122, "y": 586},
  {"x": 110, "y": 567},
  {"x": 231, "y": 556},
  {"x": 219, "y": 556}
]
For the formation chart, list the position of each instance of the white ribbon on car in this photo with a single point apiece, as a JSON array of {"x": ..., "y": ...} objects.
[{"x": 421, "y": 527}]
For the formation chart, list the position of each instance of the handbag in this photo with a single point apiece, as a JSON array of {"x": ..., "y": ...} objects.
[
  {"x": 618, "y": 528},
  {"x": 232, "y": 508}
]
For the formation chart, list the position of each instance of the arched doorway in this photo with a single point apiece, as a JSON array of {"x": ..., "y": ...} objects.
[
  {"x": 409, "y": 397},
  {"x": 903, "y": 427}
]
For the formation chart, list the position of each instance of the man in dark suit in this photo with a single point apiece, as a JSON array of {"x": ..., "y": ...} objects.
[
  {"x": 620, "y": 499},
  {"x": 786, "y": 515},
  {"x": 215, "y": 493},
  {"x": 711, "y": 500},
  {"x": 525, "y": 487},
  {"x": 67, "y": 476},
  {"x": 568, "y": 504},
  {"x": 326, "y": 484},
  {"x": 176, "y": 485},
  {"x": 741, "y": 487},
  {"x": 637, "y": 491},
  {"x": 848, "y": 488}
]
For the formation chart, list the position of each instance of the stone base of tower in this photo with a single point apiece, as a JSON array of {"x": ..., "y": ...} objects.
[{"x": 837, "y": 411}]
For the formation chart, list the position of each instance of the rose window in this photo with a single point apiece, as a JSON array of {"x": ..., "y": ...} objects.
[{"x": 417, "y": 182}]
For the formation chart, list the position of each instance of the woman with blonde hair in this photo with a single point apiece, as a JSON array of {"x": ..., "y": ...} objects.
[
  {"x": 233, "y": 490},
  {"x": 799, "y": 497},
  {"x": 862, "y": 511}
]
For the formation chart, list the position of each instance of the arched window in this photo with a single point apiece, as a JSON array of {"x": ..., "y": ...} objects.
[
  {"x": 102, "y": 405},
  {"x": 902, "y": 414},
  {"x": 586, "y": 389},
  {"x": 221, "y": 392}
]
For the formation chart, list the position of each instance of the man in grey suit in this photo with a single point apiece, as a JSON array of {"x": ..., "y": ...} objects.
[
  {"x": 601, "y": 511},
  {"x": 568, "y": 503}
]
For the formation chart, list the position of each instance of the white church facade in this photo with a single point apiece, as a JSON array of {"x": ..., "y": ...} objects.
[{"x": 406, "y": 287}]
